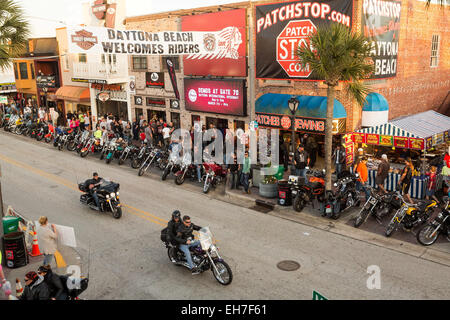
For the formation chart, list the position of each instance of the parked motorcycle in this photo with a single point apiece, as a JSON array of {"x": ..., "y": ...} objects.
[
  {"x": 378, "y": 206},
  {"x": 152, "y": 158},
  {"x": 345, "y": 196},
  {"x": 173, "y": 165},
  {"x": 128, "y": 153},
  {"x": 92, "y": 145},
  {"x": 138, "y": 158},
  {"x": 214, "y": 175},
  {"x": 410, "y": 215},
  {"x": 42, "y": 130},
  {"x": 205, "y": 257},
  {"x": 428, "y": 234},
  {"x": 108, "y": 196},
  {"x": 114, "y": 150},
  {"x": 50, "y": 134},
  {"x": 305, "y": 192},
  {"x": 64, "y": 139},
  {"x": 187, "y": 170}
]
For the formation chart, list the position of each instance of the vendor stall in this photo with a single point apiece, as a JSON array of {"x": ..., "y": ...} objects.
[{"x": 421, "y": 137}]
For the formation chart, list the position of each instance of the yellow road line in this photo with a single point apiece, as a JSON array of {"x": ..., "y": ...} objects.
[{"x": 148, "y": 216}]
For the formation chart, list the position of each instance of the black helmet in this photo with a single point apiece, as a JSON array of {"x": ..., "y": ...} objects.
[
  {"x": 176, "y": 214},
  {"x": 95, "y": 174}
]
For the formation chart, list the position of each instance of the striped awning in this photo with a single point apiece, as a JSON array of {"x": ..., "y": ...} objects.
[
  {"x": 388, "y": 129},
  {"x": 420, "y": 125}
]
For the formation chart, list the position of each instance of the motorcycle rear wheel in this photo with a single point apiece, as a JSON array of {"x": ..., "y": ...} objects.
[
  {"x": 222, "y": 265},
  {"x": 172, "y": 257},
  {"x": 423, "y": 234},
  {"x": 361, "y": 218}
]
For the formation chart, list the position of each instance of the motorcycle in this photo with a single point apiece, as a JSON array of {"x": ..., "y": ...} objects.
[
  {"x": 187, "y": 169},
  {"x": 108, "y": 197},
  {"x": 143, "y": 153},
  {"x": 410, "y": 215},
  {"x": 50, "y": 134},
  {"x": 205, "y": 257},
  {"x": 306, "y": 192},
  {"x": 214, "y": 175},
  {"x": 92, "y": 145},
  {"x": 64, "y": 139},
  {"x": 152, "y": 158},
  {"x": 114, "y": 150},
  {"x": 129, "y": 152},
  {"x": 84, "y": 139},
  {"x": 345, "y": 196},
  {"x": 428, "y": 234},
  {"x": 42, "y": 131},
  {"x": 74, "y": 141},
  {"x": 378, "y": 206},
  {"x": 73, "y": 286}
]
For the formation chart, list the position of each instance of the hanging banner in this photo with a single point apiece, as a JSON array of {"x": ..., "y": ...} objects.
[
  {"x": 372, "y": 138},
  {"x": 359, "y": 137},
  {"x": 415, "y": 143},
  {"x": 349, "y": 149},
  {"x": 98, "y": 40},
  {"x": 381, "y": 24},
  {"x": 221, "y": 66},
  {"x": 282, "y": 27},
  {"x": 400, "y": 142},
  {"x": 173, "y": 77},
  {"x": 386, "y": 141}
]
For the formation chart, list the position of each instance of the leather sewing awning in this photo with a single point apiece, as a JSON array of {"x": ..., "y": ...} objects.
[{"x": 73, "y": 93}]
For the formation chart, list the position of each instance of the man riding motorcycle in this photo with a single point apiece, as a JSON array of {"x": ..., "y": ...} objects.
[
  {"x": 172, "y": 227},
  {"x": 185, "y": 240},
  {"x": 92, "y": 183}
]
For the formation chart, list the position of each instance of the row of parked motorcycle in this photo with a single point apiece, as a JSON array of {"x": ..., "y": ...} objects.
[
  {"x": 144, "y": 157},
  {"x": 379, "y": 205}
]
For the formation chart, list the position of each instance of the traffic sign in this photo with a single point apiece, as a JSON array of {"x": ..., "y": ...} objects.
[{"x": 294, "y": 35}]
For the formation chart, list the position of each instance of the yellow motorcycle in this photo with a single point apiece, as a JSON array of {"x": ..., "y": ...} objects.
[{"x": 410, "y": 214}]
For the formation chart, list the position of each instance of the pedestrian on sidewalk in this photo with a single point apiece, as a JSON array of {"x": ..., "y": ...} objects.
[
  {"x": 301, "y": 161},
  {"x": 363, "y": 173},
  {"x": 35, "y": 287},
  {"x": 382, "y": 173},
  {"x": 245, "y": 173},
  {"x": 431, "y": 185},
  {"x": 338, "y": 159},
  {"x": 47, "y": 236},
  {"x": 233, "y": 171},
  {"x": 406, "y": 177}
]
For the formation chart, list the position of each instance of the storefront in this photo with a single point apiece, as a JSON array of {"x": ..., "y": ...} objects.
[
  {"x": 422, "y": 137},
  {"x": 272, "y": 111},
  {"x": 110, "y": 98}
]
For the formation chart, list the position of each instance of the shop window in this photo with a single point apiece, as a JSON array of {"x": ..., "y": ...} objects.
[
  {"x": 16, "y": 74},
  {"x": 175, "y": 118},
  {"x": 175, "y": 60},
  {"x": 137, "y": 113},
  {"x": 139, "y": 63},
  {"x": 82, "y": 57},
  {"x": 32, "y": 70},
  {"x": 434, "y": 51},
  {"x": 23, "y": 70}
]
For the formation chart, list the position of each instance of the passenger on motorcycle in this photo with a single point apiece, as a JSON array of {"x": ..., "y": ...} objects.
[
  {"x": 185, "y": 240},
  {"x": 92, "y": 183},
  {"x": 54, "y": 284},
  {"x": 172, "y": 227}
]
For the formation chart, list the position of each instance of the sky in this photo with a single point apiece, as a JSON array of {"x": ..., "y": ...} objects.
[{"x": 46, "y": 15}]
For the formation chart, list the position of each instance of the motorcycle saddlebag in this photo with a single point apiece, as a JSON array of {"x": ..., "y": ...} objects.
[{"x": 164, "y": 237}]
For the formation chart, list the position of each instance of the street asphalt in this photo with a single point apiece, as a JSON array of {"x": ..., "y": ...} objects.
[{"x": 128, "y": 261}]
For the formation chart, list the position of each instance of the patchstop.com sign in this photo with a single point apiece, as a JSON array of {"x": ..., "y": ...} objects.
[
  {"x": 217, "y": 96},
  {"x": 98, "y": 40}
]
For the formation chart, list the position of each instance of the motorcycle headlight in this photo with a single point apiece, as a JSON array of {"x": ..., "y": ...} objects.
[
  {"x": 112, "y": 194},
  {"x": 107, "y": 196},
  {"x": 335, "y": 184},
  {"x": 117, "y": 193},
  {"x": 213, "y": 251},
  {"x": 440, "y": 216}
]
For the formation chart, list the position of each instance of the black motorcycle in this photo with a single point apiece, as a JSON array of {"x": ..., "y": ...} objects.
[
  {"x": 304, "y": 192},
  {"x": 428, "y": 234},
  {"x": 152, "y": 158},
  {"x": 139, "y": 157},
  {"x": 344, "y": 197},
  {"x": 377, "y": 206},
  {"x": 128, "y": 153},
  {"x": 186, "y": 170},
  {"x": 73, "y": 286},
  {"x": 108, "y": 197},
  {"x": 205, "y": 257}
]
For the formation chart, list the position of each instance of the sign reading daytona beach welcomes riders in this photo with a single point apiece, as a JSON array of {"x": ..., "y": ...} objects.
[
  {"x": 284, "y": 26},
  {"x": 197, "y": 44}
]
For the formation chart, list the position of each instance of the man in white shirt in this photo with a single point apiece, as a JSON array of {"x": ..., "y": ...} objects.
[
  {"x": 41, "y": 113},
  {"x": 166, "y": 135},
  {"x": 27, "y": 111}
]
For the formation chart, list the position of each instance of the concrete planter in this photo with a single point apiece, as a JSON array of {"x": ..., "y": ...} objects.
[{"x": 268, "y": 190}]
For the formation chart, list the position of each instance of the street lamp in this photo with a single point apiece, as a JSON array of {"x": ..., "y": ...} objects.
[{"x": 293, "y": 105}]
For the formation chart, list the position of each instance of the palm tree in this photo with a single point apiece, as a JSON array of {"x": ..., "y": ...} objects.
[
  {"x": 336, "y": 54},
  {"x": 14, "y": 31}
]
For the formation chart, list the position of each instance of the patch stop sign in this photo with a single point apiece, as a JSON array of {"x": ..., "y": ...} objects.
[{"x": 293, "y": 36}]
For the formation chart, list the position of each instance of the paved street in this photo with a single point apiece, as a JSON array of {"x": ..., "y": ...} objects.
[{"x": 128, "y": 260}]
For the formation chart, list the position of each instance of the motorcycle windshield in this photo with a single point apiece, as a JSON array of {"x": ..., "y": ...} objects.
[
  {"x": 205, "y": 237},
  {"x": 107, "y": 185}
]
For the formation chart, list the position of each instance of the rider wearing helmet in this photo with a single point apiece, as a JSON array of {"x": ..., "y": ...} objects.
[{"x": 172, "y": 226}]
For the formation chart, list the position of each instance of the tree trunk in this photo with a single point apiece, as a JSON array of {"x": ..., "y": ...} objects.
[{"x": 329, "y": 136}]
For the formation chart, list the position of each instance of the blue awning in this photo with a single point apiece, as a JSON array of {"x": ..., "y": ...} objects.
[
  {"x": 375, "y": 102},
  {"x": 309, "y": 106}
]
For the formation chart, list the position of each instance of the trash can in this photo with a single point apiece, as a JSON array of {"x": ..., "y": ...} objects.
[
  {"x": 284, "y": 193},
  {"x": 15, "y": 250},
  {"x": 10, "y": 224}
]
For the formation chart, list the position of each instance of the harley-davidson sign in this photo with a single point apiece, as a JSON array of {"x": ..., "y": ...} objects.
[{"x": 84, "y": 39}]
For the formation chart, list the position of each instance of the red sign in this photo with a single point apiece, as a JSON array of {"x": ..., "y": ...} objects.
[
  {"x": 294, "y": 36},
  {"x": 415, "y": 143},
  {"x": 155, "y": 102},
  {"x": 154, "y": 80},
  {"x": 217, "y": 96},
  {"x": 400, "y": 142},
  {"x": 84, "y": 39},
  {"x": 284, "y": 122},
  {"x": 99, "y": 9},
  {"x": 372, "y": 138},
  {"x": 359, "y": 137},
  {"x": 236, "y": 36}
]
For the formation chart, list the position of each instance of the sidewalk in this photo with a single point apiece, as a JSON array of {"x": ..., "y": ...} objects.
[{"x": 70, "y": 256}]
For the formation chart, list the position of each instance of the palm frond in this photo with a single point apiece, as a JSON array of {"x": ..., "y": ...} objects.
[{"x": 359, "y": 91}]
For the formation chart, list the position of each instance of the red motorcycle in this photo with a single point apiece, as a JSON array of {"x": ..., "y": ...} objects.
[{"x": 214, "y": 174}]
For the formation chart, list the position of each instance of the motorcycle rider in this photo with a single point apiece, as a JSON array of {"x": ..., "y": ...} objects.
[
  {"x": 92, "y": 183},
  {"x": 184, "y": 238},
  {"x": 172, "y": 227}
]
